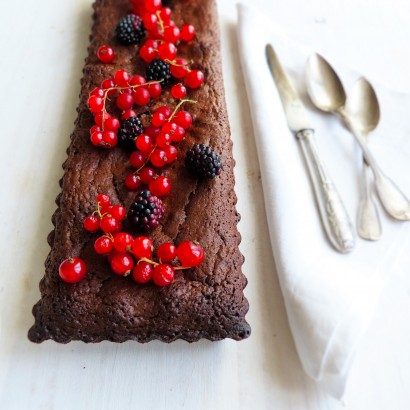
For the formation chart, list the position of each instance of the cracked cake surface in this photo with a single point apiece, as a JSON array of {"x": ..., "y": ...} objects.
[{"x": 203, "y": 302}]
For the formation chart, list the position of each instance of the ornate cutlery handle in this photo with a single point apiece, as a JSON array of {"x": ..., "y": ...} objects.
[
  {"x": 368, "y": 220},
  {"x": 392, "y": 198},
  {"x": 335, "y": 219}
]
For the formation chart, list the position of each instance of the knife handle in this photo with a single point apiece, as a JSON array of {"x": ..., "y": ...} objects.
[{"x": 334, "y": 217}]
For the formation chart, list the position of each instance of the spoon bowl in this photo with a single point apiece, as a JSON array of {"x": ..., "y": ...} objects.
[
  {"x": 361, "y": 115},
  {"x": 324, "y": 86},
  {"x": 362, "y": 106}
]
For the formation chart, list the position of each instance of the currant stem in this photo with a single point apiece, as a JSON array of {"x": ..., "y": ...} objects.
[
  {"x": 148, "y": 261},
  {"x": 146, "y": 161},
  {"x": 107, "y": 90},
  {"x": 161, "y": 23},
  {"x": 156, "y": 264},
  {"x": 190, "y": 62},
  {"x": 178, "y": 107}
]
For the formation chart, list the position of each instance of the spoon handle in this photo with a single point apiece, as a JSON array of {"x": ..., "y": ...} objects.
[
  {"x": 334, "y": 217},
  {"x": 392, "y": 198},
  {"x": 368, "y": 220}
]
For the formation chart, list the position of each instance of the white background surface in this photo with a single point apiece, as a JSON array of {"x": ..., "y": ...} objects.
[{"x": 43, "y": 45}]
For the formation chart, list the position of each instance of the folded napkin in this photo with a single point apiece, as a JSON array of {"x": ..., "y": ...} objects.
[{"x": 330, "y": 297}]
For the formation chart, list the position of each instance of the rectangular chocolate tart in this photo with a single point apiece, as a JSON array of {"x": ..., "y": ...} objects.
[{"x": 203, "y": 302}]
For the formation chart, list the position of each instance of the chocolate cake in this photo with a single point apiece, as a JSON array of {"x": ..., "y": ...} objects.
[{"x": 203, "y": 302}]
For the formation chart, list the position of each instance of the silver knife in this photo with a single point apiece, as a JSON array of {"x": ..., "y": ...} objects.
[{"x": 335, "y": 219}]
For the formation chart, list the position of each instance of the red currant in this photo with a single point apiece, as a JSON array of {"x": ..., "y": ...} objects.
[
  {"x": 184, "y": 119},
  {"x": 118, "y": 212},
  {"x": 103, "y": 245},
  {"x": 152, "y": 43},
  {"x": 125, "y": 101},
  {"x": 106, "y": 84},
  {"x": 128, "y": 114},
  {"x": 169, "y": 128},
  {"x": 158, "y": 119},
  {"x": 147, "y": 174},
  {"x": 167, "y": 51},
  {"x": 194, "y": 79},
  {"x": 163, "y": 140},
  {"x": 122, "y": 78},
  {"x": 190, "y": 254},
  {"x": 178, "y": 91},
  {"x": 150, "y": 20},
  {"x": 142, "y": 247},
  {"x": 98, "y": 92},
  {"x": 94, "y": 128},
  {"x": 167, "y": 111},
  {"x": 165, "y": 14},
  {"x": 137, "y": 159},
  {"x": 101, "y": 118},
  {"x": 148, "y": 53},
  {"x": 154, "y": 90},
  {"x": 144, "y": 143},
  {"x": 153, "y": 5},
  {"x": 123, "y": 241},
  {"x": 109, "y": 224},
  {"x": 152, "y": 131},
  {"x": 110, "y": 139},
  {"x": 166, "y": 252},
  {"x": 187, "y": 32},
  {"x": 171, "y": 34},
  {"x": 179, "y": 134},
  {"x": 112, "y": 124},
  {"x": 138, "y": 7},
  {"x": 122, "y": 263},
  {"x": 132, "y": 182},
  {"x": 179, "y": 69},
  {"x": 171, "y": 153},
  {"x": 142, "y": 272},
  {"x": 103, "y": 200},
  {"x": 141, "y": 96},
  {"x": 91, "y": 223},
  {"x": 96, "y": 104},
  {"x": 163, "y": 274},
  {"x": 106, "y": 54},
  {"x": 158, "y": 158},
  {"x": 155, "y": 33},
  {"x": 137, "y": 80},
  {"x": 97, "y": 138},
  {"x": 160, "y": 186},
  {"x": 72, "y": 270}
]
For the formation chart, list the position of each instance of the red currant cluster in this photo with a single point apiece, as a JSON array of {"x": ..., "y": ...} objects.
[
  {"x": 134, "y": 255},
  {"x": 128, "y": 91},
  {"x": 155, "y": 146},
  {"x": 106, "y": 217},
  {"x": 163, "y": 38},
  {"x": 127, "y": 254}
]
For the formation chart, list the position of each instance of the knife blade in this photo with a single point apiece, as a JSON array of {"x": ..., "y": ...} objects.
[
  {"x": 296, "y": 114},
  {"x": 334, "y": 217}
]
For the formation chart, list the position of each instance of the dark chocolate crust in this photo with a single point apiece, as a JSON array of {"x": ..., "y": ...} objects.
[{"x": 205, "y": 302}]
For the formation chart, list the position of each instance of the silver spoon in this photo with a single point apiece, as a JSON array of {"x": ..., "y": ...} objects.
[
  {"x": 327, "y": 93},
  {"x": 333, "y": 98},
  {"x": 366, "y": 110}
]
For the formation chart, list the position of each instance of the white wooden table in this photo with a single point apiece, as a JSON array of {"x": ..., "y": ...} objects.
[{"x": 42, "y": 47}]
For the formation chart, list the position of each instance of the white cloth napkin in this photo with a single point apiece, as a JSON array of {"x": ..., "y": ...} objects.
[{"x": 330, "y": 298}]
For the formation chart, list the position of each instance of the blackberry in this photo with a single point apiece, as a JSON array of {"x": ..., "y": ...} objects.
[
  {"x": 203, "y": 162},
  {"x": 159, "y": 70},
  {"x": 130, "y": 29},
  {"x": 129, "y": 131},
  {"x": 146, "y": 211}
]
